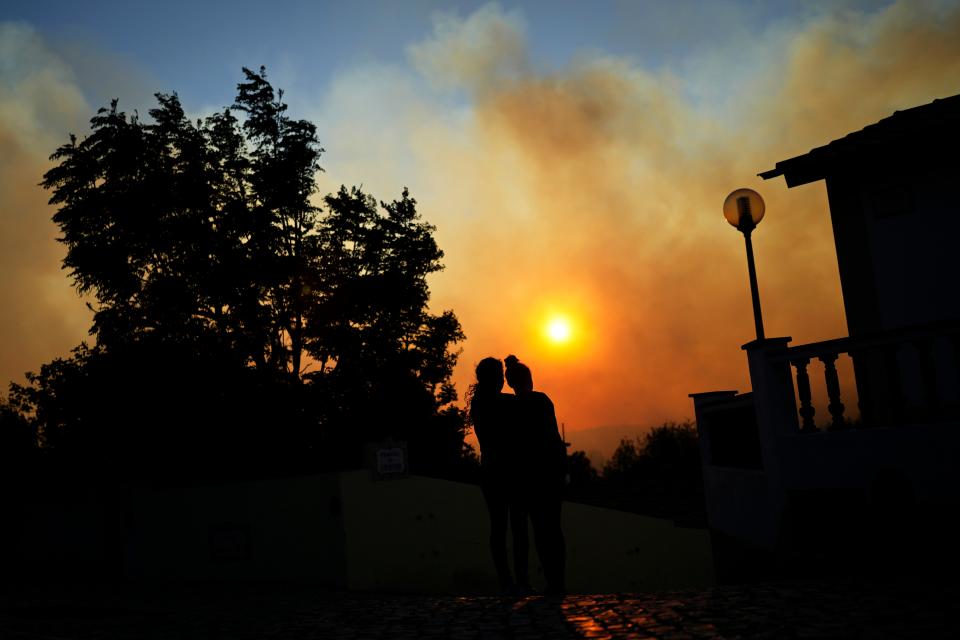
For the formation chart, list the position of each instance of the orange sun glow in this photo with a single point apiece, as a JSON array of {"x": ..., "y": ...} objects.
[{"x": 559, "y": 330}]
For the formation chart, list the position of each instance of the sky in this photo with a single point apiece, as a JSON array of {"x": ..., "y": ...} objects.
[{"x": 573, "y": 156}]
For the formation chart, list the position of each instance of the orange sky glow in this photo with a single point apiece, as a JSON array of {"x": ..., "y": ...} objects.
[{"x": 588, "y": 195}]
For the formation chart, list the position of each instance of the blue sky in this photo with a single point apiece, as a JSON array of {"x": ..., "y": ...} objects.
[{"x": 197, "y": 48}]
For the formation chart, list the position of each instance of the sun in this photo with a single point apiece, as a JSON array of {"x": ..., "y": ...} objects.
[{"x": 559, "y": 330}]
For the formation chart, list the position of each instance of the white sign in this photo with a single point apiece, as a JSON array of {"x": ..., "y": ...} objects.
[{"x": 390, "y": 461}]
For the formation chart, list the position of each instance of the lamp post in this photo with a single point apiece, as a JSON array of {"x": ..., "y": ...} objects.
[{"x": 744, "y": 210}]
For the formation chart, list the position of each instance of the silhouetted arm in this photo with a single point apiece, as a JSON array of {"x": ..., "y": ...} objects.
[
  {"x": 553, "y": 430},
  {"x": 553, "y": 439}
]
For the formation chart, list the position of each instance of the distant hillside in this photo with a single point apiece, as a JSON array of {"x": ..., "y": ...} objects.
[{"x": 598, "y": 442}]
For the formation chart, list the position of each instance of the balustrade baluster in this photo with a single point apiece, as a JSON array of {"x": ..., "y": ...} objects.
[
  {"x": 956, "y": 352},
  {"x": 894, "y": 385},
  {"x": 864, "y": 381},
  {"x": 806, "y": 410},
  {"x": 952, "y": 406},
  {"x": 833, "y": 391},
  {"x": 928, "y": 376},
  {"x": 955, "y": 338}
]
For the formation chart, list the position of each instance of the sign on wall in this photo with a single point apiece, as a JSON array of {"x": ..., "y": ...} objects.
[{"x": 388, "y": 459}]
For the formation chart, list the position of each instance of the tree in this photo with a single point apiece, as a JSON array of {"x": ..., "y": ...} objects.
[
  {"x": 626, "y": 462},
  {"x": 582, "y": 473},
  {"x": 670, "y": 447},
  {"x": 232, "y": 314},
  {"x": 659, "y": 474},
  {"x": 18, "y": 442},
  {"x": 284, "y": 160},
  {"x": 185, "y": 230},
  {"x": 379, "y": 349}
]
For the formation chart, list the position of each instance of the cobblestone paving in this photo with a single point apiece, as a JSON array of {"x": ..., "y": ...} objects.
[{"x": 840, "y": 609}]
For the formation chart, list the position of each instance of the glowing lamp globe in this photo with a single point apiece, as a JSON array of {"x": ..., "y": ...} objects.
[{"x": 744, "y": 209}]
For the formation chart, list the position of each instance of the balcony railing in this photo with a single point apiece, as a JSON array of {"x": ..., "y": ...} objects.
[{"x": 902, "y": 376}]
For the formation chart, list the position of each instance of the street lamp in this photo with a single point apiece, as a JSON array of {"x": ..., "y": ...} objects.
[{"x": 744, "y": 210}]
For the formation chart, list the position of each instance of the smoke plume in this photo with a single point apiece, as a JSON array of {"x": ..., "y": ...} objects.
[{"x": 591, "y": 189}]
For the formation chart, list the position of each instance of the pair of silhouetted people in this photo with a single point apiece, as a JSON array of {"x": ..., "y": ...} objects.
[{"x": 523, "y": 468}]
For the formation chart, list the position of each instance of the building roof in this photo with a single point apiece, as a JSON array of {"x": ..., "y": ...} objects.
[{"x": 921, "y": 135}]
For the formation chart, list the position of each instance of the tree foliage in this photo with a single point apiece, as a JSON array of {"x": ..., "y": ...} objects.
[
  {"x": 661, "y": 471},
  {"x": 658, "y": 474},
  {"x": 188, "y": 230},
  {"x": 580, "y": 472},
  {"x": 239, "y": 320},
  {"x": 667, "y": 456}
]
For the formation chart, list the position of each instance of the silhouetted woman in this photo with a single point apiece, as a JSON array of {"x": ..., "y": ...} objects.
[
  {"x": 493, "y": 415},
  {"x": 543, "y": 471}
]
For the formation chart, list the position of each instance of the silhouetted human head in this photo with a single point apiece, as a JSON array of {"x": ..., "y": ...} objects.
[
  {"x": 518, "y": 375},
  {"x": 489, "y": 375}
]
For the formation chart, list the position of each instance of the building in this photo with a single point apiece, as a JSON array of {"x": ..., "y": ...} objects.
[{"x": 790, "y": 485}]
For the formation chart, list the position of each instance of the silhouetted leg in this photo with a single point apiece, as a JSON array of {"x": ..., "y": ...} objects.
[
  {"x": 497, "y": 506},
  {"x": 541, "y": 534},
  {"x": 521, "y": 544},
  {"x": 548, "y": 535},
  {"x": 559, "y": 574}
]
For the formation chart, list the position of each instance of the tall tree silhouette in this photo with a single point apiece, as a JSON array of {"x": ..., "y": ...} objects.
[
  {"x": 659, "y": 474},
  {"x": 181, "y": 229},
  {"x": 284, "y": 160},
  {"x": 381, "y": 352},
  {"x": 233, "y": 313}
]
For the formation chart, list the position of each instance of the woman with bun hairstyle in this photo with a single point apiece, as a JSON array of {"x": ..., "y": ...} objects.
[
  {"x": 493, "y": 414},
  {"x": 541, "y": 471}
]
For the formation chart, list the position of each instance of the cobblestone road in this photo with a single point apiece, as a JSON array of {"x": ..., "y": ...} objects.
[{"x": 840, "y": 609}]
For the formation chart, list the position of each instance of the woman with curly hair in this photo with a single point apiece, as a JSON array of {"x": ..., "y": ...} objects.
[{"x": 493, "y": 414}]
